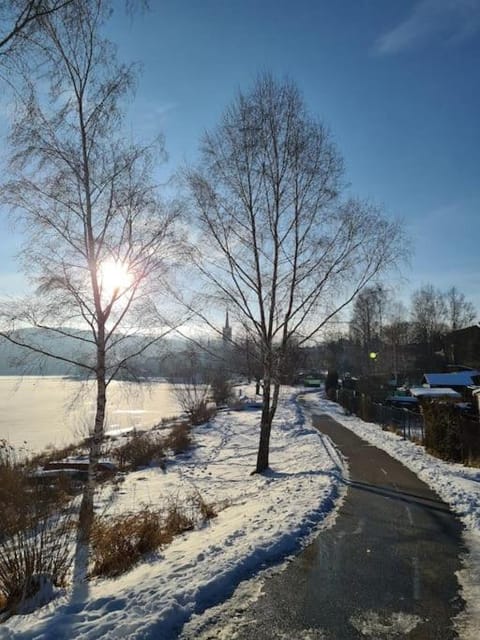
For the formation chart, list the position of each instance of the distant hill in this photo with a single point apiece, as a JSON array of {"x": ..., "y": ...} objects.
[{"x": 16, "y": 360}]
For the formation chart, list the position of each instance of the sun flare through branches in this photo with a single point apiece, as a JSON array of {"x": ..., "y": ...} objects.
[{"x": 115, "y": 278}]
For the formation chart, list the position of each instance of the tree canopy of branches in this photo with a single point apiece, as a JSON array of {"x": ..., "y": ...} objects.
[
  {"x": 408, "y": 339},
  {"x": 368, "y": 315},
  {"x": 285, "y": 251},
  {"x": 460, "y": 312},
  {"x": 98, "y": 239},
  {"x": 19, "y": 18},
  {"x": 429, "y": 314},
  {"x": 435, "y": 313}
]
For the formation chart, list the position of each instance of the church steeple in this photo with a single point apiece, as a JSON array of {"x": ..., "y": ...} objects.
[{"x": 227, "y": 330}]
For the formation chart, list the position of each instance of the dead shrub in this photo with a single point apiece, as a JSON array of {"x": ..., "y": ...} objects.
[
  {"x": 206, "y": 509},
  {"x": 140, "y": 450},
  {"x": 24, "y": 496},
  {"x": 35, "y": 548},
  {"x": 201, "y": 414},
  {"x": 176, "y": 520},
  {"x": 118, "y": 543},
  {"x": 13, "y": 489},
  {"x": 36, "y": 528},
  {"x": 37, "y": 553},
  {"x": 221, "y": 387},
  {"x": 192, "y": 396},
  {"x": 179, "y": 440},
  {"x": 443, "y": 431}
]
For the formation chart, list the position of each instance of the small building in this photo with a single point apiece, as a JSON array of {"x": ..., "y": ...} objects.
[
  {"x": 457, "y": 380},
  {"x": 402, "y": 399},
  {"x": 463, "y": 345},
  {"x": 444, "y": 394}
]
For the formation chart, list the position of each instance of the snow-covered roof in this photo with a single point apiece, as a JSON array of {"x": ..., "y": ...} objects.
[
  {"x": 438, "y": 392},
  {"x": 455, "y": 379}
]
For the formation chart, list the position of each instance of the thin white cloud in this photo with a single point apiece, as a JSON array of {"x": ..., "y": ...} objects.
[{"x": 451, "y": 20}]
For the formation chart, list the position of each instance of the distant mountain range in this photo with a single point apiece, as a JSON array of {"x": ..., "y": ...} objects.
[{"x": 16, "y": 360}]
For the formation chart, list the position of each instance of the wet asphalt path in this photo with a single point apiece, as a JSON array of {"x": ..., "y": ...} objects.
[{"x": 386, "y": 569}]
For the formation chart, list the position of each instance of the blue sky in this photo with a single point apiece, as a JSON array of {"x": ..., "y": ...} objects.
[{"x": 398, "y": 82}]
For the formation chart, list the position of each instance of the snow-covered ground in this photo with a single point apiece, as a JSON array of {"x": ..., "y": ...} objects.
[
  {"x": 457, "y": 485},
  {"x": 267, "y": 518}
]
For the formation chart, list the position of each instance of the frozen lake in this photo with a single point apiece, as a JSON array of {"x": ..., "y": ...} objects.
[{"x": 40, "y": 411}]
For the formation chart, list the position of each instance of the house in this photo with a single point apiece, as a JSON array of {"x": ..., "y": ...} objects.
[
  {"x": 457, "y": 380},
  {"x": 463, "y": 346}
]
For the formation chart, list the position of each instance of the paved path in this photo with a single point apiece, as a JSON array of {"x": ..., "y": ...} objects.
[{"x": 386, "y": 569}]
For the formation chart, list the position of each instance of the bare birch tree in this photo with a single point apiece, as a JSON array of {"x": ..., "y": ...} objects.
[
  {"x": 98, "y": 240},
  {"x": 367, "y": 321},
  {"x": 429, "y": 321},
  {"x": 283, "y": 250},
  {"x": 460, "y": 312}
]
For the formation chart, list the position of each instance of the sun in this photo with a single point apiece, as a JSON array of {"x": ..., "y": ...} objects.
[{"x": 114, "y": 278}]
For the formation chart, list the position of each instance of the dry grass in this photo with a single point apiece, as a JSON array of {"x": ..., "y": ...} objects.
[
  {"x": 207, "y": 510},
  {"x": 22, "y": 494},
  {"x": 179, "y": 440},
  {"x": 145, "y": 449},
  {"x": 176, "y": 520},
  {"x": 119, "y": 543},
  {"x": 36, "y": 528},
  {"x": 140, "y": 450},
  {"x": 13, "y": 487},
  {"x": 201, "y": 413},
  {"x": 37, "y": 550}
]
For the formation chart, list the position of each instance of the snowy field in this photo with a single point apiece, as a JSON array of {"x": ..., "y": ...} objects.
[
  {"x": 262, "y": 521},
  {"x": 457, "y": 485},
  {"x": 267, "y": 518}
]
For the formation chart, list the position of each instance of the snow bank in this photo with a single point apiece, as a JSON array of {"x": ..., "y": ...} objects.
[{"x": 268, "y": 517}]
